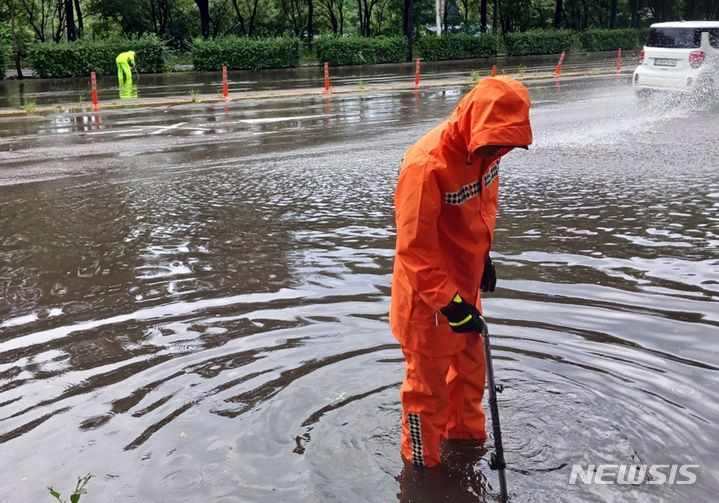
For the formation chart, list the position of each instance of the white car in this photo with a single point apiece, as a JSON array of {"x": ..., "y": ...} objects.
[{"x": 679, "y": 56}]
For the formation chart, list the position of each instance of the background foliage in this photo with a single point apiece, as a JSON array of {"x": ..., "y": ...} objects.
[
  {"x": 356, "y": 50},
  {"x": 245, "y": 53},
  {"x": 84, "y": 56},
  {"x": 457, "y": 46}
]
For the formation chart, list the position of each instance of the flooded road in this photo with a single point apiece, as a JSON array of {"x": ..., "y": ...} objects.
[
  {"x": 76, "y": 91},
  {"x": 193, "y": 300}
]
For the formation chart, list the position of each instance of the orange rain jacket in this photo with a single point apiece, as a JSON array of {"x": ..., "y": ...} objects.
[{"x": 446, "y": 206}]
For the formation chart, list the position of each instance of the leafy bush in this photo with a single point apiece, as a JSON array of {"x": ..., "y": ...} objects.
[
  {"x": 76, "y": 59},
  {"x": 355, "y": 50},
  {"x": 609, "y": 40},
  {"x": 245, "y": 53},
  {"x": 540, "y": 42},
  {"x": 457, "y": 46}
]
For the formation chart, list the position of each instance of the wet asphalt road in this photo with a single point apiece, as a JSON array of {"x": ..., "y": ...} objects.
[{"x": 193, "y": 300}]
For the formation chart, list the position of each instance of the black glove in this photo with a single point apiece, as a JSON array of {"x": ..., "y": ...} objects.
[
  {"x": 489, "y": 277},
  {"x": 463, "y": 317}
]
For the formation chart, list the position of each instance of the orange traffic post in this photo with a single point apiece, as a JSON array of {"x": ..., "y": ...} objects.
[
  {"x": 619, "y": 61},
  {"x": 327, "y": 77},
  {"x": 93, "y": 85},
  {"x": 416, "y": 73},
  {"x": 558, "y": 69},
  {"x": 225, "y": 86},
  {"x": 494, "y": 71}
]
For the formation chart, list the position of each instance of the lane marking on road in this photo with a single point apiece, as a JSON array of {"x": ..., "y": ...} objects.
[
  {"x": 110, "y": 131},
  {"x": 167, "y": 128},
  {"x": 268, "y": 120}
]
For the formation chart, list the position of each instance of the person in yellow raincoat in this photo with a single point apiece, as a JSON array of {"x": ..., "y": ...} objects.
[
  {"x": 445, "y": 208},
  {"x": 125, "y": 60}
]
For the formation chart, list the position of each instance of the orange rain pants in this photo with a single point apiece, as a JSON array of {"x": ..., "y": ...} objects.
[{"x": 446, "y": 207}]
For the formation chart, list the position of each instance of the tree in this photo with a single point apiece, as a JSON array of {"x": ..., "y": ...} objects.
[
  {"x": 336, "y": 15},
  {"x": 70, "y": 21},
  {"x": 78, "y": 14},
  {"x": 38, "y": 15},
  {"x": 364, "y": 11},
  {"x": 483, "y": 15},
  {"x": 310, "y": 14},
  {"x": 204, "y": 7},
  {"x": 408, "y": 17},
  {"x": 558, "y": 11},
  {"x": 15, "y": 47}
]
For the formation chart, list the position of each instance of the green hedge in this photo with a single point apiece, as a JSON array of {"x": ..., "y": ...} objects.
[
  {"x": 609, "y": 40},
  {"x": 245, "y": 53},
  {"x": 456, "y": 46},
  {"x": 540, "y": 42},
  {"x": 355, "y": 50},
  {"x": 76, "y": 59}
]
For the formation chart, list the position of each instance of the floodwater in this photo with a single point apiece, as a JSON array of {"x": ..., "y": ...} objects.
[
  {"x": 180, "y": 85},
  {"x": 193, "y": 301}
]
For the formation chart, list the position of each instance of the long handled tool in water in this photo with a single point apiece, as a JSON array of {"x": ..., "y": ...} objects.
[{"x": 496, "y": 460}]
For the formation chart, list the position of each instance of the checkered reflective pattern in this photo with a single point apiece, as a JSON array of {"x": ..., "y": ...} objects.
[
  {"x": 465, "y": 193},
  {"x": 491, "y": 174},
  {"x": 415, "y": 435}
]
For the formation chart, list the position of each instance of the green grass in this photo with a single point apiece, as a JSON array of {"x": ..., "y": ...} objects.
[{"x": 30, "y": 107}]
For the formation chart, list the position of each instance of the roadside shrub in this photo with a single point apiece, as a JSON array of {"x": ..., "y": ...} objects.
[
  {"x": 241, "y": 53},
  {"x": 361, "y": 50},
  {"x": 457, "y": 46},
  {"x": 540, "y": 42},
  {"x": 76, "y": 59},
  {"x": 609, "y": 40}
]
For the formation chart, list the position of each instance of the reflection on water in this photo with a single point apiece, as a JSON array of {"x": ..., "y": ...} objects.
[
  {"x": 128, "y": 90},
  {"x": 213, "y": 325}
]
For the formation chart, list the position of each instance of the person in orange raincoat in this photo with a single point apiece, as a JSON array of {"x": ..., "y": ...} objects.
[{"x": 446, "y": 207}]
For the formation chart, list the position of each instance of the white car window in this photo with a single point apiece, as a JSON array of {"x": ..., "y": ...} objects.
[
  {"x": 674, "y": 38},
  {"x": 714, "y": 38}
]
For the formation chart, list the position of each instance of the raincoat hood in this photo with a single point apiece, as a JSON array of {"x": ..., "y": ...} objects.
[{"x": 495, "y": 112}]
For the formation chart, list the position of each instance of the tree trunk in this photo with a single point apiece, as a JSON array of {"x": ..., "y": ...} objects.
[
  {"x": 634, "y": 9},
  {"x": 342, "y": 19},
  {"x": 483, "y": 15},
  {"x": 613, "y": 15},
  {"x": 558, "y": 15},
  {"x": 70, "y": 22},
  {"x": 445, "y": 15},
  {"x": 409, "y": 25},
  {"x": 204, "y": 8},
  {"x": 15, "y": 48},
  {"x": 253, "y": 19},
  {"x": 78, "y": 14},
  {"x": 310, "y": 14},
  {"x": 495, "y": 16}
]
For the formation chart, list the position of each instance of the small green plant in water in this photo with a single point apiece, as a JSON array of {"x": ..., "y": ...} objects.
[
  {"x": 475, "y": 76},
  {"x": 195, "y": 95},
  {"x": 30, "y": 107},
  {"x": 521, "y": 70},
  {"x": 362, "y": 84},
  {"x": 75, "y": 495},
  {"x": 595, "y": 71}
]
